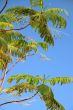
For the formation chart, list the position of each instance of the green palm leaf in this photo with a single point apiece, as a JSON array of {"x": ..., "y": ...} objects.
[
  {"x": 11, "y": 35},
  {"x": 44, "y": 45},
  {"x": 26, "y": 77},
  {"x": 21, "y": 11},
  {"x": 14, "y": 51},
  {"x": 39, "y": 22},
  {"x": 3, "y": 44},
  {"x": 9, "y": 17},
  {"x": 20, "y": 88},
  {"x": 55, "y": 17},
  {"x": 4, "y": 60},
  {"x": 48, "y": 97},
  {"x": 5, "y": 25},
  {"x": 56, "y": 11},
  {"x": 60, "y": 80}
]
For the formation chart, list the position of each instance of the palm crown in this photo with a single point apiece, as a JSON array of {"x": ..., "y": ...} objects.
[{"x": 38, "y": 21}]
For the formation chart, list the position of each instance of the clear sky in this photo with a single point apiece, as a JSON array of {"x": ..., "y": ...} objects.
[{"x": 61, "y": 63}]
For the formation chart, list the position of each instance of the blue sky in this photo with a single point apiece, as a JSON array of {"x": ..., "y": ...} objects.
[{"x": 61, "y": 63}]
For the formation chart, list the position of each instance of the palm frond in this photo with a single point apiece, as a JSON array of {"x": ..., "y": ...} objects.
[
  {"x": 38, "y": 22},
  {"x": 11, "y": 35},
  {"x": 9, "y": 17},
  {"x": 55, "y": 17},
  {"x": 20, "y": 88},
  {"x": 26, "y": 77},
  {"x": 44, "y": 45},
  {"x": 4, "y": 25},
  {"x": 60, "y": 80},
  {"x": 21, "y": 11},
  {"x": 3, "y": 44},
  {"x": 57, "y": 11},
  {"x": 48, "y": 97},
  {"x": 4, "y": 60},
  {"x": 14, "y": 51}
]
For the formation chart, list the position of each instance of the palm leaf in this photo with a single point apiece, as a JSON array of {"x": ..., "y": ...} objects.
[
  {"x": 9, "y": 17},
  {"x": 60, "y": 80},
  {"x": 3, "y": 44},
  {"x": 20, "y": 88},
  {"x": 54, "y": 15},
  {"x": 26, "y": 77},
  {"x": 12, "y": 43},
  {"x": 44, "y": 45},
  {"x": 21, "y": 11},
  {"x": 4, "y": 60},
  {"x": 5, "y": 25},
  {"x": 38, "y": 22},
  {"x": 11, "y": 35},
  {"x": 14, "y": 51},
  {"x": 57, "y": 11},
  {"x": 48, "y": 97}
]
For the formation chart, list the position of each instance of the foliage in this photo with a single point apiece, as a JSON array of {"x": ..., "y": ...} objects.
[
  {"x": 48, "y": 97},
  {"x": 4, "y": 25},
  {"x": 28, "y": 82},
  {"x": 23, "y": 87},
  {"x": 13, "y": 44},
  {"x": 39, "y": 20},
  {"x": 60, "y": 80}
]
